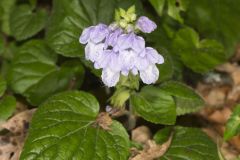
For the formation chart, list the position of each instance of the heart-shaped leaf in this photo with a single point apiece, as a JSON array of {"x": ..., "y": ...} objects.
[
  {"x": 64, "y": 128},
  {"x": 24, "y": 23},
  {"x": 70, "y": 17},
  {"x": 154, "y": 105},
  {"x": 33, "y": 61},
  {"x": 200, "y": 56},
  {"x": 35, "y": 75},
  {"x": 192, "y": 144},
  {"x": 187, "y": 100}
]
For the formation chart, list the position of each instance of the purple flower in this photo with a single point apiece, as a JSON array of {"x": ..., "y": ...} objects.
[
  {"x": 150, "y": 74},
  {"x": 112, "y": 38},
  {"x": 127, "y": 59},
  {"x": 145, "y": 63},
  {"x": 130, "y": 41},
  {"x": 145, "y": 24},
  {"x": 117, "y": 52},
  {"x": 95, "y": 34},
  {"x": 110, "y": 77}
]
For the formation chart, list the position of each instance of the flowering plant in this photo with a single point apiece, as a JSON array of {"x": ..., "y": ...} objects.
[
  {"x": 118, "y": 50},
  {"x": 110, "y": 79}
]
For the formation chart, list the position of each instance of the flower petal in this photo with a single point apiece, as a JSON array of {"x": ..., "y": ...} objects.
[
  {"x": 109, "y": 77},
  {"x": 111, "y": 39},
  {"x": 93, "y": 51},
  {"x": 150, "y": 75},
  {"x": 85, "y": 36},
  {"x": 153, "y": 56},
  {"x": 124, "y": 42},
  {"x": 99, "y": 33},
  {"x": 141, "y": 63},
  {"x": 145, "y": 24},
  {"x": 127, "y": 59},
  {"x": 138, "y": 43}
]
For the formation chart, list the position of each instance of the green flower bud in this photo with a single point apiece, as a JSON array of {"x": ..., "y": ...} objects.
[
  {"x": 123, "y": 23},
  {"x": 133, "y": 17},
  {"x": 119, "y": 98},
  {"x": 131, "y": 10}
]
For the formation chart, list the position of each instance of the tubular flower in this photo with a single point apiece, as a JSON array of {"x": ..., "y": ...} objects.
[
  {"x": 145, "y": 24},
  {"x": 119, "y": 51}
]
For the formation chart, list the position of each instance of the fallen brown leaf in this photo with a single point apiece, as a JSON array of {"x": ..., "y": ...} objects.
[
  {"x": 141, "y": 134},
  {"x": 11, "y": 144},
  {"x": 104, "y": 120},
  {"x": 152, "y": 150}
]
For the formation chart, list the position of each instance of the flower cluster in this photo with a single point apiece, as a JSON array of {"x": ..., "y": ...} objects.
[{"x": 119, "y": 50}]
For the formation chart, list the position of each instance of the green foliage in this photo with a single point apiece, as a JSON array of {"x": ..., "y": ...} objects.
[
  {"x": 216, "y": 19},
  {"x": 1, "y": 44},
  {"x": 174, "y": 8},
  {"x": 162, "y": 135},
  {"x": 190, "y": 143},
  {"x": 34, "y": 73},
  {"x": 233, "y": 124},
  {"x": 3, "y": 86},
  {"x": 197, "y": 35},
  {"x": 162, "y": 104},
  {"x": 166, "y": 70},
  {"x": 199, "y": 55},
  {"x": 158, "y": 6},
  {"x": 186, "y": 99},
  {"x": 24, "y": 23},
  {"x": 70, "y": 17},
  {"x": 33, "y": 61},
  {"x": 7, "y": 107},
  {"x": 64, "y": 128},
  {"x": 6, "y": 7},
  {"x": 154, "y": 105}
]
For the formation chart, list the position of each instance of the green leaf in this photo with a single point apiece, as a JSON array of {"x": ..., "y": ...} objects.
[
  {"x": 24, "y": 23},
  {"x": 33, "y": 3},
  {"x": 162, "y": 135},
  {"x": 70, "y": 17},
  {"x": 166, "y": 70},
  {"x": 54, "y": 82},
  {"x": 35, "y": 75},
  {"x": 174, "y": 9},
  {"x": 33, "y": 61},
  {"x": 7, "y": 107},
  {"x": 3, "y": 86},
  {"x": 200, "y": 56},
  {"x": 158, "y": 6},
  {"x": 1, "y": 44},
  {"x": 64, "y": 128},
  {"x": 233, "y": 124},
  {"x": 154, "y": 105},
  {"x": 6, "y": 7},
  {"x": 190, "y": 144},
  {"x": 218, "y": 21},
  {"x": 186, "y": 99}
]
